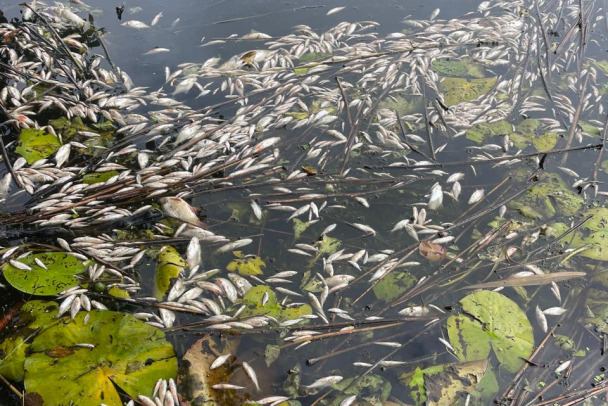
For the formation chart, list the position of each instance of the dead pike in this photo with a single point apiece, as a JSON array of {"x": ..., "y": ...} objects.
[{"x": 532, "y": 280}]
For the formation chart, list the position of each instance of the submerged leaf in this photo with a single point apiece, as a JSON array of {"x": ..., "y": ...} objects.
[
  {"x": 479, "y": 132},
  {"x": 89, "y": 376},
  {"x": 393, "y": 285},
  {"x": 548, "y": 197},
  {"x": 443, "y": 385},
  {"x": 196, "y": 377},
  {"x": 593, "y": 234},
  {"x": 457, "y": 90},
  {"x": 60, "y": 274},
  {"x": 491, "y": 320},
  {"x": 464, "y": 67},
  {"x": 374, "y": 389}
]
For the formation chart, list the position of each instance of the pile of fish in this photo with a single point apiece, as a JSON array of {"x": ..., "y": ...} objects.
[{"x": 337, "y": 93}]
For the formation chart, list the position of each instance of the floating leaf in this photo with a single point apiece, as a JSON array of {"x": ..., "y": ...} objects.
[
  {"x": 464, "y": 67},
  {"x": 403, "y": 105},
  {"x": 491, "y": 320},
  {"x": 593, "y": 234},
  {"x": 13, "y": 350},
  {"x": 431, "y": 251},
  {"x": 170, "y": 266},
  {"x": 12, "y": 353},
  {"x": 98, "y": 177},
  {"x": 457, "y": 90},
  {"x": 89, "y": 376},
  {"x": 251, "y": 265},
  {"x": 36, "y": 144},
  {"x": 479, "y": 132},
  {"x": 394, "y": 285},
  {"x": 261, "y": 300},
  {"x": 59, "y": 276}
]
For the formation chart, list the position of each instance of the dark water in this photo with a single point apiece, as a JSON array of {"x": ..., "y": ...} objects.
[{"x": 200, "y": 22}]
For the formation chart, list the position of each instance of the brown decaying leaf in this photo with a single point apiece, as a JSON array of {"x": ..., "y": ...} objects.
[{"x": 431, "y": 251}]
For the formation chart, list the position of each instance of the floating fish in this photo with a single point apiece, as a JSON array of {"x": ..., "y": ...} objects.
[
  {"x": 135, "y": 24},
  {"x": 180, "y": 210}
]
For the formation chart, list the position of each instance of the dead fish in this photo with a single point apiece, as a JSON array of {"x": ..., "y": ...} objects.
[
  {"x": 156, "y": 51},
  {"x": 135, "y": 24},
  {"x": 219, "y": 361},
  {"x": 476, "y": 196},
  {"x": 542, "y": 320},
  {"x": 227, "y": 386},
  {"x": 362, "y": 227},
  {"x": 179, "y": 209},
  {"x": 156, "y": 18},
  {"x": 335, "y": 10},
  {"x": 436, "y": 197},
  {"x": 252, "y": 375},
  {"x": 324, "y": 382}
]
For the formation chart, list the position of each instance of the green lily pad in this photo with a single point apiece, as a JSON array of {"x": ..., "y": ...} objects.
[
  {"x": 479, "y": 132},
  {"x": 394, "y": 285},
  {"x": 98, "y": 177},
  {"x": 36, "y": 144},
  {"x": 14, "y": 348},
  {"x": 60, "y": 274},
  {"x": 548, "y": 197},
  {"x": 491, "y": 320},
  {"x": 457, "y": 90},
  {"x": 170, "y": 266},
  {"x": 89, "y": 376},
  {"x": 251, "y": 265},
  {"x": 593, "y": 233},
  {"x": 12, "y": 353},
  {"x": 261, "y": 300},
  {"x": 444, "y": 384},
  {"x": 464, "y": 67}
]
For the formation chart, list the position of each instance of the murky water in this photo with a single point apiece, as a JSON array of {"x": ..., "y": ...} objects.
[{"x": 341, "y": 206}]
